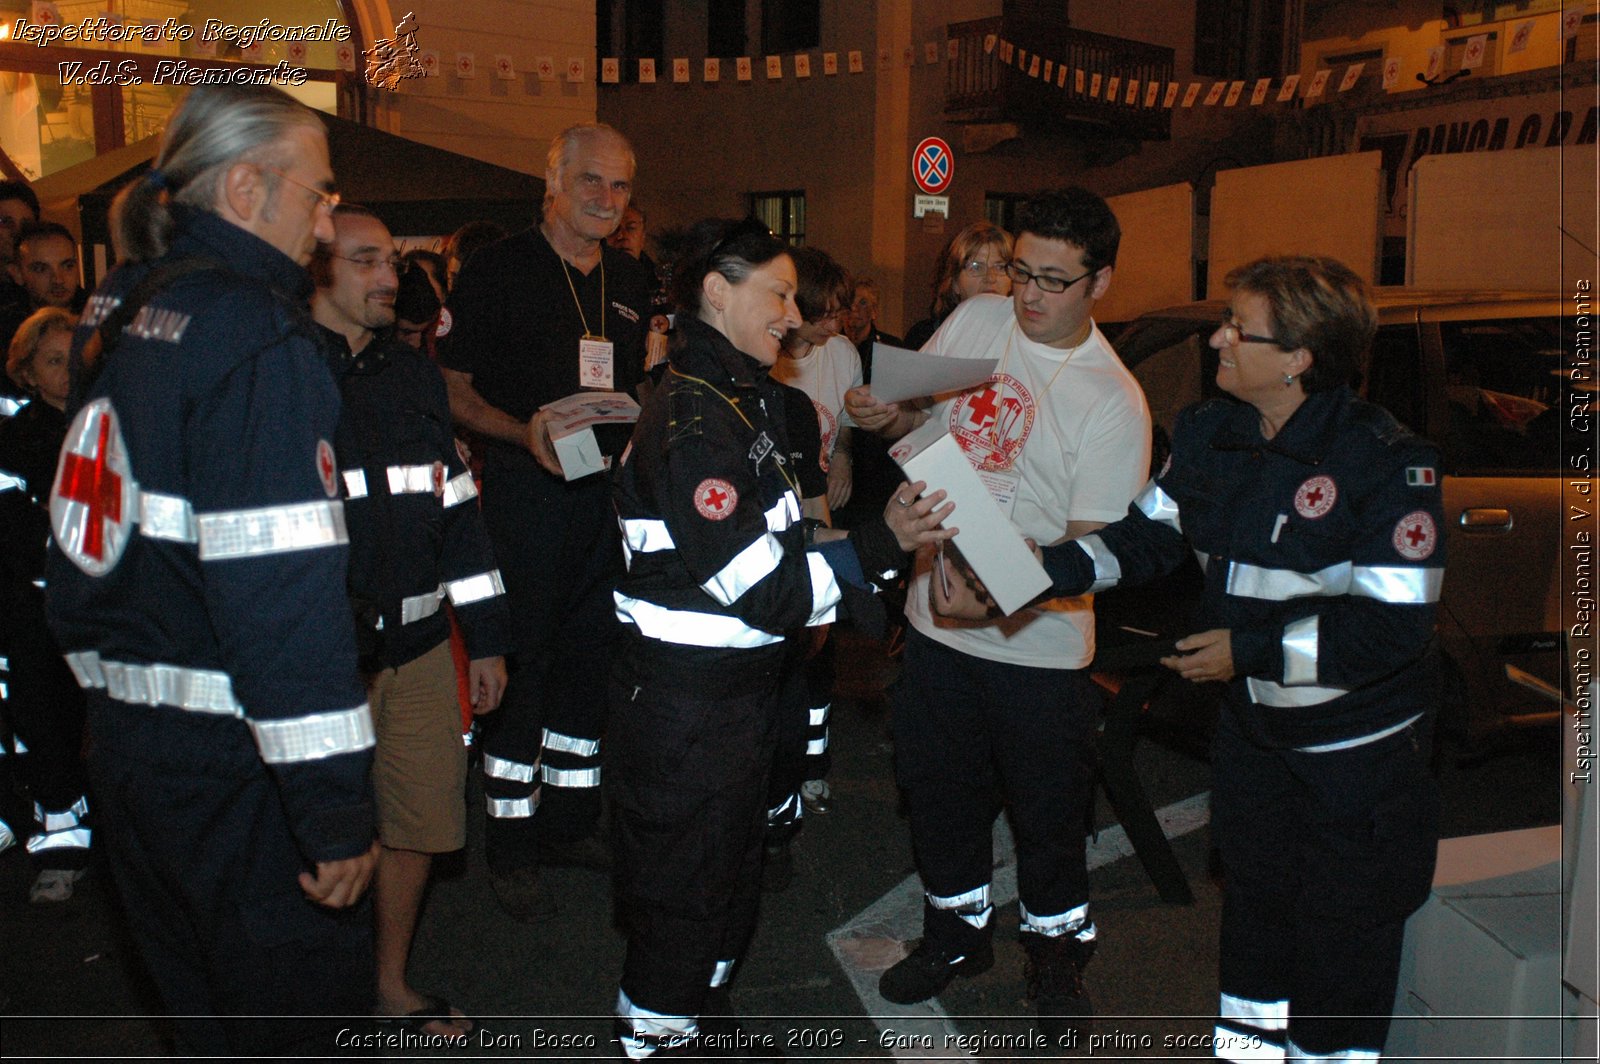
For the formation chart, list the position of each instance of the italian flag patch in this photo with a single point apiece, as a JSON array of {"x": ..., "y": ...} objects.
[{"x": 1421, "y": 476}]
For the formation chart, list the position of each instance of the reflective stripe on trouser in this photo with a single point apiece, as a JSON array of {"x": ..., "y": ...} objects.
[
  {"x": 971, "y": 733},
  {"x": 686, "y": 778},
  {"x": 559, "y": 559},
  {"x": 63, "y": 830},
  {"x": 1325, "y": 854},
  {"x": 643, "y": 1033},
  {"x": 570, "y": 761}
]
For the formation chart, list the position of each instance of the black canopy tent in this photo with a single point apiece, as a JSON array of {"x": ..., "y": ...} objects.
[{"x": 418, "y": 190}]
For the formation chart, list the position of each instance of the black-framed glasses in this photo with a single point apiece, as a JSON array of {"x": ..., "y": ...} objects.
[
  {"x": 1232, "y": 334},
  {"x": 1020, "y": 277},
  {"x": 979, "y": 269},
  {"x": 326, "y": 200},
  {"x": 372, "y": 262}
]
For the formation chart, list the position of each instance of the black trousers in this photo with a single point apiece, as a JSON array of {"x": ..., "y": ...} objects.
[
  {"x": 972, "y": 736},
  {"x": 687, "y": 774},
  {"x": 805, "y": 705},
  {"x": 208, "y": 874},
  {"x": 45, "y": 709},
  {"x": 1325, "y": 855},
  {"x": 560, "y": 555}
]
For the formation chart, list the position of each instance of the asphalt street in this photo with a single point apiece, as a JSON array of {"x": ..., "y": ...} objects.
[{"x": 71, "y": 984}]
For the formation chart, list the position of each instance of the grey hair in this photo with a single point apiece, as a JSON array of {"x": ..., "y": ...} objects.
[
  {"x": 215, "y": 127},
  {"x": 566, "y": 143}
]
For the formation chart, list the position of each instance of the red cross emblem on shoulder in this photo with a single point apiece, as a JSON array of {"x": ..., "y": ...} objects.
[
  {"x": 715, "y": 499},
  {"x": 1415, "y": 536},
  {"x": 91, "y": 506}
]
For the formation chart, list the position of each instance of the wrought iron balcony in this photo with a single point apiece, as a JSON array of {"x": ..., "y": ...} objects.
[{"x": 982, "y": 87}]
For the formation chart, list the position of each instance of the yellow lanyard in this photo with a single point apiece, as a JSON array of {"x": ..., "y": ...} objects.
[
  {"x": 675, "y": 371},
  {"x": 567, "y": 270}
]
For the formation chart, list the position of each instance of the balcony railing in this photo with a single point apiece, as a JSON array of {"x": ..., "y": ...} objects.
[{"x": 981, "y": 87}]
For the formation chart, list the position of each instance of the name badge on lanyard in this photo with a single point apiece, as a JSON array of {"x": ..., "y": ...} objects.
[{"x": 594, "y": 363}]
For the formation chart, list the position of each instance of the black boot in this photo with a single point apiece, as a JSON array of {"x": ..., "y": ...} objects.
[
  {"x": 1055, "y": 984},
  {"x": 950, "y": 947}
]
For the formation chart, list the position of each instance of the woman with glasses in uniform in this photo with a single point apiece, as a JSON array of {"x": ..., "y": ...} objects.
[
  {"x": 1317, "y": 519},
  {"x": 974, "y": 262}
]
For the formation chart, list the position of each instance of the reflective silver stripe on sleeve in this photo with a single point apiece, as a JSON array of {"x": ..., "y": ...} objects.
[
  {"x": 167, "y": 517},
  {"x": 1361, "y": 740},
  {"x": 414, "y": 608},
  {"x": 1277, "y": 585},
  {"x": 1300, "y": 650},
  {"x": 568, "y": 744},
  {"x": 11, "y": 483},
  {"x": 1158, "y": 506},
  {"x": 511, "y": 808},
  {"x": 1107, "y": 570},
  {"x": 197, "y": 690},
  {"x": 1397, "y": 584},
  {"x": 825, "y": 592},
  {"x": 355, "y": 483},
  {"x": 1267, "y": 693},
  {"x": 470, "y": 589},
  {"x": 689, "y": 627},
  {"x": 576, "y": 778},
  {"x": 271, "y": 530},
  {"x": 498, "y": 768},
  {"x": 783, "y": 513},
  {"x": 458, "y": 489},
  {"x": 314, "y": 736},
  {"x": 1400, "y": 584},
  {"x": 748, "y": 568},
  {"x": 410, "y": 479},
  {"x": 646, "y": 535}
]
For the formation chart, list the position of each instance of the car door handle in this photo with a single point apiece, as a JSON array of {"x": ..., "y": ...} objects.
[{"x": 1486, "y": 519}]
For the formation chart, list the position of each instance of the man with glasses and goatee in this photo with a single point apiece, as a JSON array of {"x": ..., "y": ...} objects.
[{"x": 1002, "y": 711}]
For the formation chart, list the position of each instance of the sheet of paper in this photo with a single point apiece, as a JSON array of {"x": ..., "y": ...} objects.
[{"x": 898, "y": 374}]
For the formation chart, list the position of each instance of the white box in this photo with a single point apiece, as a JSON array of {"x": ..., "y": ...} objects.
[
  {"x": 573, "y": 421},
  {"x": 988, "y": 540}
]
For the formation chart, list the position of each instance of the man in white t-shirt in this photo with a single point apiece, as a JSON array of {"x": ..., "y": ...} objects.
[{"x": 1002, "y": 712}]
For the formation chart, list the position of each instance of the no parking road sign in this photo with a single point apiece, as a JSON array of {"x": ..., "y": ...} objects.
[{"x": 932, "y": 165}]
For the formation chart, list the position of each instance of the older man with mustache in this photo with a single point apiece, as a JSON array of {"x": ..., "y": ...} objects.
[{"x": 533, "y": 319}]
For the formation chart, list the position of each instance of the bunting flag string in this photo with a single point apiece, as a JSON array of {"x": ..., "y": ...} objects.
[{"x": 1121, "y": 88}]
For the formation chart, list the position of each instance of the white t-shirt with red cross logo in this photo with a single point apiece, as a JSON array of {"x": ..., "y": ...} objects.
[
  {"x": 830, "y": 370},
  {"x": 1064, "y": 432}
]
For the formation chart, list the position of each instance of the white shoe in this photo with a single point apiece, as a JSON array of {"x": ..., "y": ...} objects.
[{"x": 54, "y": 885}]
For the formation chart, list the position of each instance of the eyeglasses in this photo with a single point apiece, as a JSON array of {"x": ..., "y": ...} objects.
[
  {"x": 372, "y": 262},
  {"x": 978, "y": 269},
  {"x": 1232, "y": 335},
  {"x": 1021, "y": 277},
  {"x": 326, "y": 200}
]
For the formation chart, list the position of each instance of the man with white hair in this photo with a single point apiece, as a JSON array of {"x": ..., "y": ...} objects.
[
  {"x": 196, "y": 585},
  {"x": 533, "y": 319}
]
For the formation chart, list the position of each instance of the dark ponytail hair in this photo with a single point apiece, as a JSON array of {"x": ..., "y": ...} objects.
[{"x": 720, "y": 245}]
